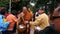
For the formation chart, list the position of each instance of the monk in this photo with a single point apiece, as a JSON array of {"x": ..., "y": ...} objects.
[{"x": 23, "y": 18}]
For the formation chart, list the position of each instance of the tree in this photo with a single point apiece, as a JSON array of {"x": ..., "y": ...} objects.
[
  {"x": 49, "y": 4},
  {"x": 4, "y": 3}
]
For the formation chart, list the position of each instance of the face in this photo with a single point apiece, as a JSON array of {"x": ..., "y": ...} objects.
[
  {"x": 24, "y": 9},
  {"x": 40, "y": 11}
]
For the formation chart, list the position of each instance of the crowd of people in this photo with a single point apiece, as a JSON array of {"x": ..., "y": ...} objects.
[{"x": 20, "y": 23}]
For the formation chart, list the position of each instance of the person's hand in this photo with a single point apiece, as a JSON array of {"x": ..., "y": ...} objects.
[
  {"x": 37, "y": 28},
  {"x": 31, "y": 23},
  {"x": 22, "y": 14}
]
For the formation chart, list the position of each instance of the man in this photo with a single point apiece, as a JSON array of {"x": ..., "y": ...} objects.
[
  {"x": 23, "y": 18},
  {"x": 42, "y": 21},
  {"x": 56, "y": 19}
]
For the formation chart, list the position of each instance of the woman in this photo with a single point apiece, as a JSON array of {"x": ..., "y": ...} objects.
[
  {"x": 3, "y": 23},
  {"x": 12, "y": 19}
]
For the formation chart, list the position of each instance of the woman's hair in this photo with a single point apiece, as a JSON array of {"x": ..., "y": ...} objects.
[{"x": 3, "y": 10}]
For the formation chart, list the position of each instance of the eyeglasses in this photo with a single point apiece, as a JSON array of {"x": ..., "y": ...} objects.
[{"x": 55, "y": 17}]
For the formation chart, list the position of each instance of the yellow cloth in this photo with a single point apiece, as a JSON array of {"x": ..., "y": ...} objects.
[
  {"x": 42, "y": 20},
  {"x": 4, "y": 20}
]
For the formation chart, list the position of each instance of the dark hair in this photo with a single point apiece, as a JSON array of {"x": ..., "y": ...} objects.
[
  {"x": 14, "y": 12},
  {"x": 40, "y": 8},
  {"x": 3, "y": 10}
]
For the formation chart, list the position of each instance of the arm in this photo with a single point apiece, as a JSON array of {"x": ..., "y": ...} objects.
[{"x": 37, "y": 21}]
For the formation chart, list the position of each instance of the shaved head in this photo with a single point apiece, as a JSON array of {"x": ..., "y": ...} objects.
[{"x": 24, "y": 8}]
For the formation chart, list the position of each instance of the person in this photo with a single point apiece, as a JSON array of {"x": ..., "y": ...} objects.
[
  {"x": 56, "y": 27},
  {"x": 42, "y": 21},
  {"x": 36, "y": 15},
  {"x": 24, "y": 17},
  {"x": 12, "y": 19},
  {"x": 3, "y": 24},
  {"x": 31, "y": 12}
]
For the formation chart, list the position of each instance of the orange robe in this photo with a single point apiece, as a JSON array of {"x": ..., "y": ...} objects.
[{"x": 28, "y": 16}]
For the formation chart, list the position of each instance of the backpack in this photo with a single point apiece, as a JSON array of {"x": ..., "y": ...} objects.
[{"x": 3, "y": 25}]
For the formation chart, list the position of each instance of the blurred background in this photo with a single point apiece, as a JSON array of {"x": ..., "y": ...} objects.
[{"x": 48, "y": 5}]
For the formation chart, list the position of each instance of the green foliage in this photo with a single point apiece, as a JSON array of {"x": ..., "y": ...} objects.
[
  {"x": 4, "y": 3},
  {"x": 39, "y": 3}
]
